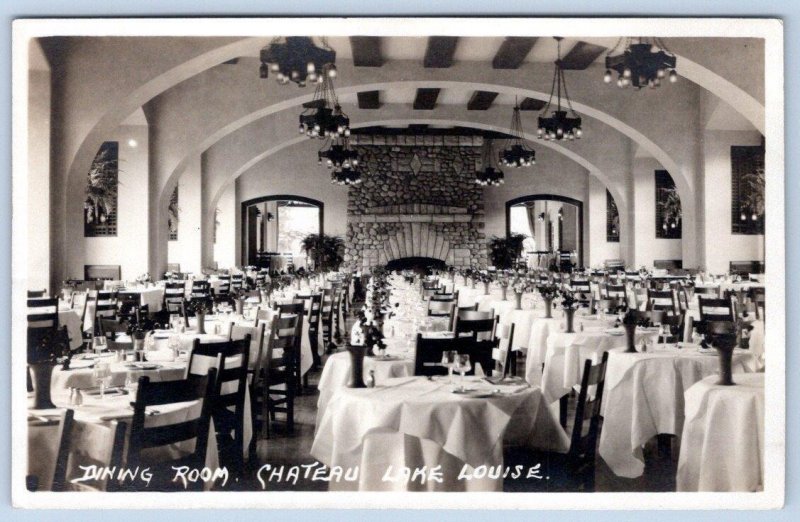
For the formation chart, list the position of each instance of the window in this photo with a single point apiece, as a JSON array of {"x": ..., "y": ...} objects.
[
  {"x": 296, "y": 220},
  {"x": 747, "y": 190},
  {"x": 173, "y": 219},
  {"x": 612, "y": 219},
  {"x": 668, "y": 207},
  {"x": 100, "y": 206}
]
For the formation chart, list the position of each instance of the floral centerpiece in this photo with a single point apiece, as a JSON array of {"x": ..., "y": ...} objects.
[
  {"x": 569, "y": 303},
  {"x": 548, "y": 293},
  {"x": 200, "y": 306},
  {"x": 630, "y": 321},
  {"x": 520, "y": 284},
  {"x": 144, "y": 279}
]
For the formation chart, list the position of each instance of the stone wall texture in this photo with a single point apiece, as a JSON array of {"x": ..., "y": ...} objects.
[{"x": 418, "y": 198}]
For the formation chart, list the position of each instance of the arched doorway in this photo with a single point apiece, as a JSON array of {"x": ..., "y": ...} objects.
[
  {"x": 553, "y": 226},
  {"x": 273, "y": 228}
]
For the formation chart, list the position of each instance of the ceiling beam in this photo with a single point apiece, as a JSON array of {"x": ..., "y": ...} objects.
[
  {"x": 481, "y": 100},
  {"x": 532, "y": 104},
  {"x": 367, "y": 51},
  {"x": 425, "y": 100},
  {"x": 513, "y": 52},
  {"x": 582, "y": 56},
  {"x": 440, "y": 51},
  {"x": 369, "y": 100}
]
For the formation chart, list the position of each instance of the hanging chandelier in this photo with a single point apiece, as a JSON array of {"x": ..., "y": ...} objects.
[
  {"x": 298, "y": 60},
  {"x": 338, "y": 155},
  {"x": 489, "y": 175},
  {"x": 642, "y": 64},
  {"x": 562, "y": 124},
  {"x": 323, "y": 116},
  {"x": 516, "y": 153},
  {"x": 346, "y": 176}
]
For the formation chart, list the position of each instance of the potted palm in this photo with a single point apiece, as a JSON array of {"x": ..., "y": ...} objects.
[
  {"x": 504, "y": 251},
  {"x": 326, "y": 252}
]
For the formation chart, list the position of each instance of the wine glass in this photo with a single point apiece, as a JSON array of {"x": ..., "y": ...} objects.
[
  {"x": 448, "y": 361},
  {"x": 463, "y": 366},
  {"x": 131, "y": 381},
  {"x": 102, "y": 374},
  {"x": 99, "y": 344}
]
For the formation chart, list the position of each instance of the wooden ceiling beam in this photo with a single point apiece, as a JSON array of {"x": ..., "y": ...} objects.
[
  {"x": 425, "y": 100},
  {"x": 513, "y": 52},
  {"x": 369, "y": 100},
  {"x": 440, "y": 51},
  {"x": 481, "y": 100},
  {"x": 367, "y": 51},
  {"x": 582, "y": 56}
]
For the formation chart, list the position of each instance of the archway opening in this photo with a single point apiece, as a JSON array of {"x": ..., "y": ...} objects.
[
  {"x": 273, "y": 229},
  {"x": 553, "y": 229}
]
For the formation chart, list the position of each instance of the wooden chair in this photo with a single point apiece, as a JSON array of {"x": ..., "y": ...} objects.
[
  {"x": 175, "y": 299},
  {"x": 144, "y": 437},
  {"x": 581, "y": 285},
  {"x": 707, "y": 291},
  {"x": 37, "y": 294},
  {"x": 314, "y": 314},
  {"x": 200, "y": 290},
  {"x": 274, "y": 375},
  {"x": 616, "y": 292},
  {"x": 428, "y": 354},
  {"x": 475, "y": 324},
  {"x": 80, "y": 447},
  {"x": 237, "y": 282},
  {"x": 445, "y": 296},
  {"x": 106, "y": 307},
  {"x": 757, "y": 296},
  {"x": 608, "y": 305},
  {"x": 285, "y": 310},
  {"x": 715, "y": 309},
  {"x": 661, "y": 300},
  {"x": 130, "y": 307},
  {"x": 503, "y": 354},
  {"x": 231, "y": 360},
  {"x": 42, "y": 321},
  {"x": 574, "y": 470},
  {"x": 326, "y": 318},
  {"x": 224, "y": 285},
  {"x": 256, "y": 335}
]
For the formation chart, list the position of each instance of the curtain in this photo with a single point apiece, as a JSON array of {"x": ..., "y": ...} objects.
[{"x": 531, "y": 219}]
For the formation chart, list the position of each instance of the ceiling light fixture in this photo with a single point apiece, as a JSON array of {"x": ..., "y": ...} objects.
[
  {"x": 297, "y": 59},
  {"x": 642, "y": 64},
  {"x": 489, "y": 175},
  {"x": 323, "y": 116},
  {"x": 516, "y": 153},
  {"x": 561, "y": 124}
]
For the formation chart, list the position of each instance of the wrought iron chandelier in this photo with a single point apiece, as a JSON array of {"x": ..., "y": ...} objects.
[
  {"x": 346, "y": 176},
  {"x": 642, "y": 64},
  {"x": 323, "y": 116},
  {"x": 488, "y": 175},
  {"x": 516, "y": 153},
  {"x": 338, "y": 155},
  {"x": 298, "y": 60},
  {"x": 562, "y": 124}
]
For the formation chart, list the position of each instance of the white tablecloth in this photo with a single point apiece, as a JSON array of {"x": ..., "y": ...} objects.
[
  {"x": 415, "y": 422},
  {"x": 567, "y": 354},
  {"x": 643, "y": 397},
  {"x": 722, "y": 447}
]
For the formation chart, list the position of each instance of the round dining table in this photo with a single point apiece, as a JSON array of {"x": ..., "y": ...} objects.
[
  {"x": 722, "y": 445},
  {"x": 416, "y": 423},
  {"x": 644, "y": 397}
]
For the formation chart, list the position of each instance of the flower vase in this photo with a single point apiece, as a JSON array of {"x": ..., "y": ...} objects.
[
  {"x": 630, "y": 338},
  {"x": 201, "y": 323},
  {"x": 485, "y": 288},
  {"x": 472, "y": 284},
  {"x": 517, "y": 300},
  {"x": 504, "y": 291},
  {"x": 239, "y": 306},
  {"x": 356, "y": 366},
  {"x": 42, "y": 373},
  {"x": 570, "y": 316},
  {"x": 725, "y": 345},
  {"x": 548, "y": 308}
]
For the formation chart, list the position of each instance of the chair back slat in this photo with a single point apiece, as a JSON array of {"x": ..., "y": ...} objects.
[
  {"x": 428, "y": 354},
  {"x": 585, "y": 409}
]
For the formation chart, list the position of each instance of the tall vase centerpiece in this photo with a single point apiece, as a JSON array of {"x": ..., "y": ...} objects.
[
  {"x": 46, "y": 348},
  {"x": 630, "y": 321},
  {"x": 569, "y": 304},
  {"x": 200, "y": 306},
  {"x": 548, "y": 293},
  {"x": 724, "y": 344},
  {"x": 357, "y": 353}
]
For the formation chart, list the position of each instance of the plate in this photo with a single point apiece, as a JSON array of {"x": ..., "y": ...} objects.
[
  {"x": 143, "y": 366},
  {"x": 614, "y": 331}
]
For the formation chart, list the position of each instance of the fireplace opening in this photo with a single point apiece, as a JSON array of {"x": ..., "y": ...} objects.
[{"x": 417, "y": 264}]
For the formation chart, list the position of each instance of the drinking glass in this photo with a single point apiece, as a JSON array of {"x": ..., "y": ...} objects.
[
  {"x": 448, "y": 361},
  {"x": 463, "y": 366},
  {"x": 131, "y": 381},
  {"x": 102, "y": 374},
  {"x": 99, "y": 344}
]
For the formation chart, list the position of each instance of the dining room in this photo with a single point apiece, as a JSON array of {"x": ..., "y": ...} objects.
[{"x": 376, "y": 262}]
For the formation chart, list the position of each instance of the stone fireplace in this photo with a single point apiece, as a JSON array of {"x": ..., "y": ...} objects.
[{"x": 418, "y": 199}]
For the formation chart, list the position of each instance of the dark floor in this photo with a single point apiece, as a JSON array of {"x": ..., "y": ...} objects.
[{"x": 284, "y": 449}]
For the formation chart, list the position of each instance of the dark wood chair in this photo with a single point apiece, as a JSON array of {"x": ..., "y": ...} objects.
[
  {"x": 145, "y": 439},
  {"x": 231, "y": 360},
  {"x": 475, "y": 324},
  {"x": 200, "y": 290},
  {"x": 313, "y": 314},
  {"x": 503, "y": 354},
  {"x": 661, "y": 300},
  {"x": 80, "y": 447},
  {"x": 757, "y": 297},
  {"x": 295, "y": 308},
  {"x": 237, "y": 282},
  {"x": 326, "y": 318},
  {"x": 274, "y": 380},
  {"x": 574, "y": 470},
  {"x": 428, "y": 354},
  {"x": 615, "y": 291},
  {"x": 37, "y": 293},
  {"x": 715, "y": 309}
]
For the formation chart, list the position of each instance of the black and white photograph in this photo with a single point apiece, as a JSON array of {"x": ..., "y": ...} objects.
[{"x": 394, "y": 262}]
